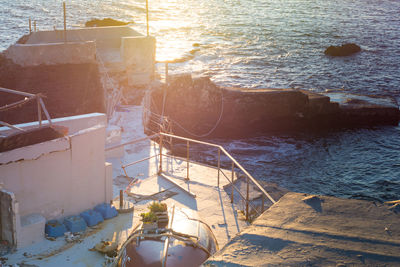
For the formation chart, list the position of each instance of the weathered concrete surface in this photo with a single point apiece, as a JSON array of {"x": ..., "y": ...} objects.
[
  {"x": 70, "y": 89},
  {"x": 199, "y": 108},
  {"x": 52, "y": 54},
  {"x": 301, "y": 230}
]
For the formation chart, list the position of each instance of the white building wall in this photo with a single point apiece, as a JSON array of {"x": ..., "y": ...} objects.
[{"x": 58, "y": 178}]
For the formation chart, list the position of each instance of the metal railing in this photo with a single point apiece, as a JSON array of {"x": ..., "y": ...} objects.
[
  {"x": 221, "y": 150},
  {"x": 28, "y": 97}
]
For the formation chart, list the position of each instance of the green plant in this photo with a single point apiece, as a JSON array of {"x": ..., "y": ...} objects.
[
  {"x": 149, "y": 217},
  {"x": 157, "y": 207}
]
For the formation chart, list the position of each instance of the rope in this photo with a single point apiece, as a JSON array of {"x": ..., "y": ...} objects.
[{"x": 212, "y": 129}]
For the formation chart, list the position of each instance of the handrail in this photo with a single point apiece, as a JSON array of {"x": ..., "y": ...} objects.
[
  {"x": 28, "y": 97},
  {"x": 229, "y": 156},
  {"x": 220, "y": 148}
]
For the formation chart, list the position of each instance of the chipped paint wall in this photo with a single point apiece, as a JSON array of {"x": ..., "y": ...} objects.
[{"x": 60, "y": 177}]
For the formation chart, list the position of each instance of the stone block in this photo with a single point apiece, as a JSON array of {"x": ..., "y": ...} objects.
[
  {"x": 55, "y": 228},
  {"x": 106, "y": 210},
  {"x": 75, "y": 224},
  {"x": 92, "y": 217}
]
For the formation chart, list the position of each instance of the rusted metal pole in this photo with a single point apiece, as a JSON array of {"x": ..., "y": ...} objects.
[
  {"x": 219, "y": 163},
  {"x": 161, "y": 146},
  {"x": 121, "y": 198},
  {"x": 34, "y": 25},
  {"x": 39, "y": 110},
  {"x": 247, "y": 199},
  {"x": 30, "y": 26},
  {"x": 166, "y": 73},
  {"x": 233, "y": 173},
  {"x": 147, "y": 16},
  {"x": 262, "y": 203},
  {"x": 187, "y": 160},
  {"x": 65, "y": 23}
]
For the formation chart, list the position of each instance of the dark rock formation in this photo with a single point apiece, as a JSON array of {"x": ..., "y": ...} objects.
[
  {"x": 70, "y": 89},
  {"x": 198, "y": 108},
  {"x": 105, "y": 22},
  {"x": 343, "y": 50}
]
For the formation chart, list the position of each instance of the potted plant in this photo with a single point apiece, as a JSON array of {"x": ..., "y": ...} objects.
[
  {"x": 160, "y": 209},
  {"x": 149, "y": 220}
]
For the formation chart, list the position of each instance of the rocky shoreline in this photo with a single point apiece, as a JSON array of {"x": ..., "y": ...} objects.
[{"x": 198, "y": 108}]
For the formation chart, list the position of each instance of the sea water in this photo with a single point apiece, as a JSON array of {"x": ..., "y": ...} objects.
[{"x": 278, "y": 44}]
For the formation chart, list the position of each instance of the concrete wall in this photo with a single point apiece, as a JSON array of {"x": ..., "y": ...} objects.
[
  {"x": 73, "y": 123},
  {"x": 104, "y": 36},
  {"x": 138, "y": 54},
  {"x": 57, "y": 178},
  {"x": 7, "y": 217},
  {"x": 63, "y": 182},
  {"x": 52, "y": 53}
]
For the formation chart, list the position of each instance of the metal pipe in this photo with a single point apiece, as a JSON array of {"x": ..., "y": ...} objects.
[
  {"x": 39, "y": 112},
  {"x": 229, "y": 156},
  {"x": 65, "y": 23},
  {"x": 5, "y": 90},
  {"x": 138, "y": 161},
  {"x": 16, "y": 104},
  {"x": 187, "y": 160},
  {"x": 262, "y": 203},
  {"x": 161, "y": 147},
  {"x": 147, "y": 16},
  {"x": 233, "y": 173},
  {"x": 45, "y": 110},
  {"x": 166, "y": 73},
  {"x": 247, "y": 199},
  {"x": 11, "y": 126},
  {"x": 219, "y": 163},
  {"x": 121, "y": 198},
  {"x": 132, "y": 142}
]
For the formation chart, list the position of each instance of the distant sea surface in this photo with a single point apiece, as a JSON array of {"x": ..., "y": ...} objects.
[{"x": 279, "y": 44}]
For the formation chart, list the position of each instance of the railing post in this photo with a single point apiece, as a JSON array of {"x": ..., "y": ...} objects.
[
  {"x": 262, "y": 203},
  {"x": 39, "y": 110},
  {"x": 233, "y": 174},
  {"x": 65, "y": 22},
  {"x": 247, "y": 199},
  {"x": 166, "y": 73},
  {"x": 187, "y": 160},
  {"x": 219, "y": 163},
  {"x": 30, "y": 26},
  {"x": 161, "y": 147},
  {"x": 121, "y": 198}
]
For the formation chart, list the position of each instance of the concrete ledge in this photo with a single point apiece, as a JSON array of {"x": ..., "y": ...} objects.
[
  {"x": 304, "y": 230},
  {"x": 32, "y": 230},
  {"x": 52, "y": 53}
]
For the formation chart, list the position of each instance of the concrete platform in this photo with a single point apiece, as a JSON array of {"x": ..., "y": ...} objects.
[
  {"x": 211, "y": 202},
  {"x": 301, "y": 230}
]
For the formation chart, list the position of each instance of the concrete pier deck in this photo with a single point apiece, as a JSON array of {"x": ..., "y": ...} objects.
[
  {"x": 303, "y": 230},
  {"x": 211, "y": 202}
]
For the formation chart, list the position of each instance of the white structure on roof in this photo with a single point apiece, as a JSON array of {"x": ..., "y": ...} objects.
[{"x": 53, "y": 179}]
